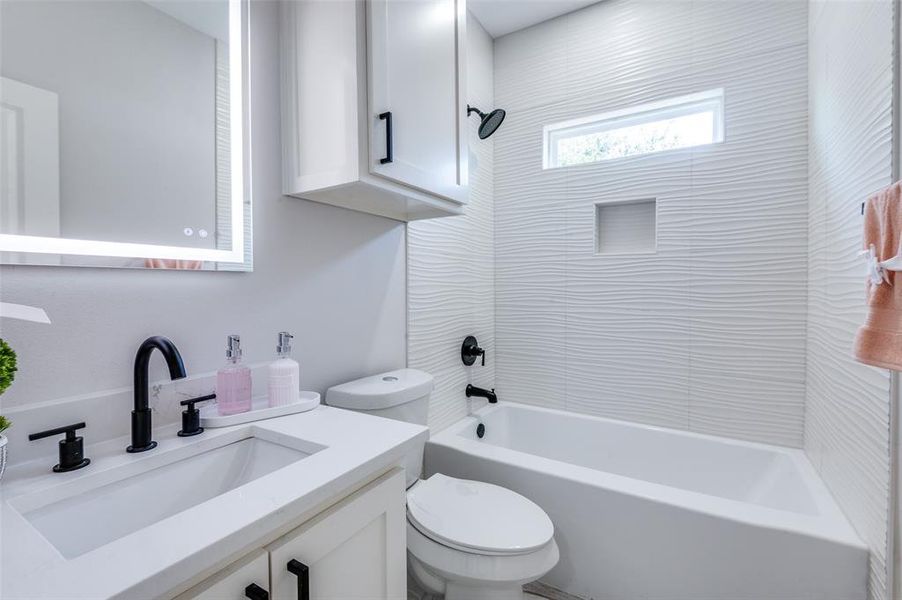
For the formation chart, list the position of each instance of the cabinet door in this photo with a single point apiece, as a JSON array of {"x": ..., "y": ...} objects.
[
  {"x": 354, "y": 550},
  {"x": 232, "y": 582},
  {"x": 416, "y": 74}
]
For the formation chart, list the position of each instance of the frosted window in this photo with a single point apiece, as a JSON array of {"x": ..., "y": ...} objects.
[{"x": 675, "y": 123}]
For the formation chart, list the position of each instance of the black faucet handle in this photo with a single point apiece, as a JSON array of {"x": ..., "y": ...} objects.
[
  {"x": 69, "y": 430},
  {"x": 190, "y": 402},
  {"x": 191, "y": 416},
  {"x": 71, "y": 449},
  {"x": 470, "y": 350}
]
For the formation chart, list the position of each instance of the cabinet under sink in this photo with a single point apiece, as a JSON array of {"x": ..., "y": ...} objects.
[{"x": 355, "y": 548}]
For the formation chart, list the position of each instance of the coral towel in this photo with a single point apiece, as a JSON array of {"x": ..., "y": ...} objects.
[{"x": 879, "y": 341}]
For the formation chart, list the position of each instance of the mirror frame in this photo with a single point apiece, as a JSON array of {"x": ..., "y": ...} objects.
[{"x": 240, "y": 191}]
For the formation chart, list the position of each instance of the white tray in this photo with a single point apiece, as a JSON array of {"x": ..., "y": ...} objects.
[{"x": 260, "y": 409}]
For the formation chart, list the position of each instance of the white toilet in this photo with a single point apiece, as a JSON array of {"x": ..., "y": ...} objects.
[{"x": 467, "y": 540}]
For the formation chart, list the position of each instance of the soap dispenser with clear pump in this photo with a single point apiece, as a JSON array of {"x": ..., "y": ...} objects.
[
  {"x": 284, "y": 374},
  {"x": 233, "y": 381}
]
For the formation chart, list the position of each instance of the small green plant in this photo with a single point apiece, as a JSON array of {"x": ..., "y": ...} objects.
[
  {"x": 7, "y": 375},
  {"x": 7, "y": 365}
]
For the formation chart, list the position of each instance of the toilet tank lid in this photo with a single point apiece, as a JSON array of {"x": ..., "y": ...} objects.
[{"x": 381, "y": 391}]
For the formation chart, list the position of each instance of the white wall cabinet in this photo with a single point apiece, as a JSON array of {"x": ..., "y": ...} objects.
[
  {"x": 355, "y": 549},
  {"x": 373, "y": 105}
]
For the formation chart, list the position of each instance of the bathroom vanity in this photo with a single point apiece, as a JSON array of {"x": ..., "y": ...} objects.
[{"x": 312, "y": 501}]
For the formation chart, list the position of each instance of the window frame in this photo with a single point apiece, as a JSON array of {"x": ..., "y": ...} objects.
[{"x": 661, "y": 110}]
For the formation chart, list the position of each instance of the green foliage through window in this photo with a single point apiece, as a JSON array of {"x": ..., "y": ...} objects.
[
  {"x": 670, "y": 124},
  {"x": 657, "y": 136}
]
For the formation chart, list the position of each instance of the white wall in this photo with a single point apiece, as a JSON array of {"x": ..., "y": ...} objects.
[
  {"x": 137, "y": 96},
  {"x": 334, "y": 278},
  {"x": 708, "y": 334},
  {"x": 851, "y": 156},
  {"x": 451, "y": 269}
]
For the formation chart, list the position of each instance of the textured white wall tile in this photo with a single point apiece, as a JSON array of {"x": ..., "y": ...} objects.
[
  {"x": 755, "y": 27},
  {"x": 627, "y": 326},
  {"x": 531, "y": 66},
  {"x": 847, "y": 404},
  {"x": 708, "y": 332},
  {"x": 748, "y": 215},
  {"x": 530, "y": 247},
  {"x": 623, "y": 49},
  {"x": 451, "y": 271}
]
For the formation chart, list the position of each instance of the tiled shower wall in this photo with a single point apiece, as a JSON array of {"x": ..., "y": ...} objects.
[
  {"x": 451, "y": 268},
  {"x": 851, "y": 156},
  {"x": 708, "y": 333}
]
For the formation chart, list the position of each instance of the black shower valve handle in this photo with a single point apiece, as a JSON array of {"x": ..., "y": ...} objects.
[
  {"x": 481, "y": 353},
  {"x": 469, "y": 350}
]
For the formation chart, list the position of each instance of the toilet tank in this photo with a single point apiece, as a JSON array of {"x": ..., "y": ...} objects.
[{"x": 402, "y": 395}]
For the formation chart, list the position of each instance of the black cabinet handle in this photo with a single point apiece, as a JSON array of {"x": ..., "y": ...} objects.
[
  {"x": 255, "y": 592},
  {"x": 386, "y": 116},
  {"x": 298, "y": 568}
]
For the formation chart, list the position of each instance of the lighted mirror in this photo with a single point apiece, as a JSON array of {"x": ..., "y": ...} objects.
[{"x": 122, "y": 134}]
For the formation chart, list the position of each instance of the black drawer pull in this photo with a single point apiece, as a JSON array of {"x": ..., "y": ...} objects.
[
  {"x": 386, "y": 116},
  {"x": 298, "y": 568},
  {"x": 255, "y": 592}
]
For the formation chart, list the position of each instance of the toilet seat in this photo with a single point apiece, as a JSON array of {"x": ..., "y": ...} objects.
[{"x": 476, "y": 517}]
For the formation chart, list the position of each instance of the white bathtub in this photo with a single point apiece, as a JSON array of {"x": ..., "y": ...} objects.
[{"x": 645, "y": 512}]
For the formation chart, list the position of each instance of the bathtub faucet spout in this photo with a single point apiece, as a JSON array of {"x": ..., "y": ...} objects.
[{"x": 472, "y": 390}]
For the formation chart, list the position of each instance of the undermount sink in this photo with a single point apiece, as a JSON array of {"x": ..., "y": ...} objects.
[{"x": 80, "y": 522}]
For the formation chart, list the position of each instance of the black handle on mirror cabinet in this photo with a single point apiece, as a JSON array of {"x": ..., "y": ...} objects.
[
  {"x": 298, "y": 568},
  {"x": 386, "y": 116},
  {"x": 255, "y": 592}
]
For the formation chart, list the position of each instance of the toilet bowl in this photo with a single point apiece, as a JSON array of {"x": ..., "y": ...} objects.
[
  {"x": 469, "y": 539},
  {"x": 466, "y": 540}
]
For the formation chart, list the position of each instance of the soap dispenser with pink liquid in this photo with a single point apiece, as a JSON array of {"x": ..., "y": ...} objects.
[{"x": 233, "y": 381}]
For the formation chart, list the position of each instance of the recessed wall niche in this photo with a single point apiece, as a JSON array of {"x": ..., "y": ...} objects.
[{"x": 626, "y": 227}]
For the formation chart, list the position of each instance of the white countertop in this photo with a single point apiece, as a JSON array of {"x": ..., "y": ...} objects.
[{"x": 166, "y": 555}]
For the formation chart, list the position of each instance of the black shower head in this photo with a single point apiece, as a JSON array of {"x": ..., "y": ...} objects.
[{"x": 490, "y": 122}]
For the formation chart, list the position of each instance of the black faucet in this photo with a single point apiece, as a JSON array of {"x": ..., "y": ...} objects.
[
  {"x": 472, "y": 390},
  {"x": 141, "y": 422}
]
